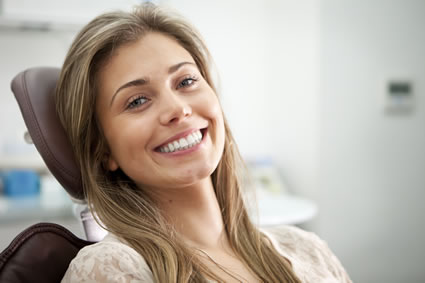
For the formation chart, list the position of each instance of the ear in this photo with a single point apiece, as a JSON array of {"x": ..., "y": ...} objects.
[{"x": 112, "y": 163}]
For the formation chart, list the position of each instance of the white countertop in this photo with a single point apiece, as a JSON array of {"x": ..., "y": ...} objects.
[{"x": 274, "y": 208}]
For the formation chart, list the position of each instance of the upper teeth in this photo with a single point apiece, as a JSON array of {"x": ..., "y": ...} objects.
[{"x": 183, "y": 143}]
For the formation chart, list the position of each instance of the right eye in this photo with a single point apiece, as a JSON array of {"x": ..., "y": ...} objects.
[{"x": 137, "y": 102}]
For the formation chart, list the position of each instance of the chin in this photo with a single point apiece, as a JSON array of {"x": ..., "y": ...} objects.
[{"x": 190, "y": 176}]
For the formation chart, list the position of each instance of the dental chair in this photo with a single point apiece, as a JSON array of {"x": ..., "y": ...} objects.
[{"x": 42, "y": 252}]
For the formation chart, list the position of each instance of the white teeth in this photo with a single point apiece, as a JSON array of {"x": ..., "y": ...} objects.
[
  {"x": 183, "y": 143},
  {"x": 190, "y": 139},
  {"x": 171, "y": 147},
  {"x": 176, "y": 145},
  {"x": 195, "y": 137}
]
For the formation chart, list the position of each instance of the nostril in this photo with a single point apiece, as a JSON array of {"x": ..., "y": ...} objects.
[{"x": 175, "y": 119}]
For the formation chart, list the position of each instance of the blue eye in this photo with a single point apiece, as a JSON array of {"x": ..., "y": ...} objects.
[
  {"x": 137, "y": 102},
  {"x": 187, "y": 82}
]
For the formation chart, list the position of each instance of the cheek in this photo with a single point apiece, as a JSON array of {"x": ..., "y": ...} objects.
[
  {"x": 214, "y": 111},
  {"x": 127, "y": 140},
  {"x": 211, "y": 107}
]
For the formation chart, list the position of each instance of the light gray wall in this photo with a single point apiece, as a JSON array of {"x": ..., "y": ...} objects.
[
  {"x": 18, "y": 51},
  {"x": 371, "y": 164}
]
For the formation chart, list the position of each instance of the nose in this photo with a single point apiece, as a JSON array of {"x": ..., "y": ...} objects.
[{"x": 174, "y": 109}]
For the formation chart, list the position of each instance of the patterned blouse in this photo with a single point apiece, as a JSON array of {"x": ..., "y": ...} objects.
[{"x": 111, "y": 260}]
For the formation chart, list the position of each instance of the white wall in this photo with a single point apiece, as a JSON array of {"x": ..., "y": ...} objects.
[
  {"x": 291, "y": 91},
  {"x": 372, "y": 165},
  {"x": 18, "y": 51}
]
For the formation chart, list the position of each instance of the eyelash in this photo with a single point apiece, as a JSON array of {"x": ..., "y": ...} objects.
[
  {"x": 132, "y": 105},
  {"x": 194, "y": 79}
]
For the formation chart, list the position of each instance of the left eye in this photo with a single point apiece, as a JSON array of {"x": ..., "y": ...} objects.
[{"x": 187, "y": 82}]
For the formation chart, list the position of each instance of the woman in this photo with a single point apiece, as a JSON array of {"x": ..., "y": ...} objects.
[{"x": 159, "y": 164}]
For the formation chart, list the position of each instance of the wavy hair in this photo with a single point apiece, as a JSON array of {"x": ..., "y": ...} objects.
[{"x": 125, "y": 210}]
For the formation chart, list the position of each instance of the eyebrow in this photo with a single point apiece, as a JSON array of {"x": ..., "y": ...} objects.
[{"x": 143, "y": 81}]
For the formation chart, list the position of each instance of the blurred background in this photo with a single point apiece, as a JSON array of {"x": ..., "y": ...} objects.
[{"x": 327, "y": 93}]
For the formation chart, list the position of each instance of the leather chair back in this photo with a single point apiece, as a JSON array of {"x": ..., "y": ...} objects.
[
  {"x": 34, "y": 90},
  {"x": 41, "y": 253}
]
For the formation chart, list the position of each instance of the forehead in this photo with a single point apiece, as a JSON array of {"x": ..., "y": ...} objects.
[{"x": 148, "y": 56}]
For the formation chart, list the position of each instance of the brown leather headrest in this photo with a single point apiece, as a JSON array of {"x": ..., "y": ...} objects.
[
  {"x": 41, "y": 253},
  {"x": 34, "y": 90}
]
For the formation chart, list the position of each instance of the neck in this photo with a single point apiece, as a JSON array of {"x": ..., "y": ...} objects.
[{"x": 195, "y": 214}]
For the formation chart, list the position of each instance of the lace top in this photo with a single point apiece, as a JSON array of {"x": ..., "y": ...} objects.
[{"x": 111, "y": 260}]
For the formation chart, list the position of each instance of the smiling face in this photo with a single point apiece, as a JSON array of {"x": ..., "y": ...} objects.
[{"x": 162, "y": 121}]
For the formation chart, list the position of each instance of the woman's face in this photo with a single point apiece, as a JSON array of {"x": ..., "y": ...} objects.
[{"x": 162, "y": 121}]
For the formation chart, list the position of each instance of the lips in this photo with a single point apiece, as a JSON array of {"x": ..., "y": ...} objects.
[{"x": 182, "y": 141}]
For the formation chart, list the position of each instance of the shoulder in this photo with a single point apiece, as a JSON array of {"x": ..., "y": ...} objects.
[
  {"x": 309, "y": 255},
  {"x": 293, "y": 239},
  {"x": 109, "y": 260}
]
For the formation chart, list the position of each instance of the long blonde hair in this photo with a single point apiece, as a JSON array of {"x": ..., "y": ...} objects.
[{"x": 124, "y": 209}]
